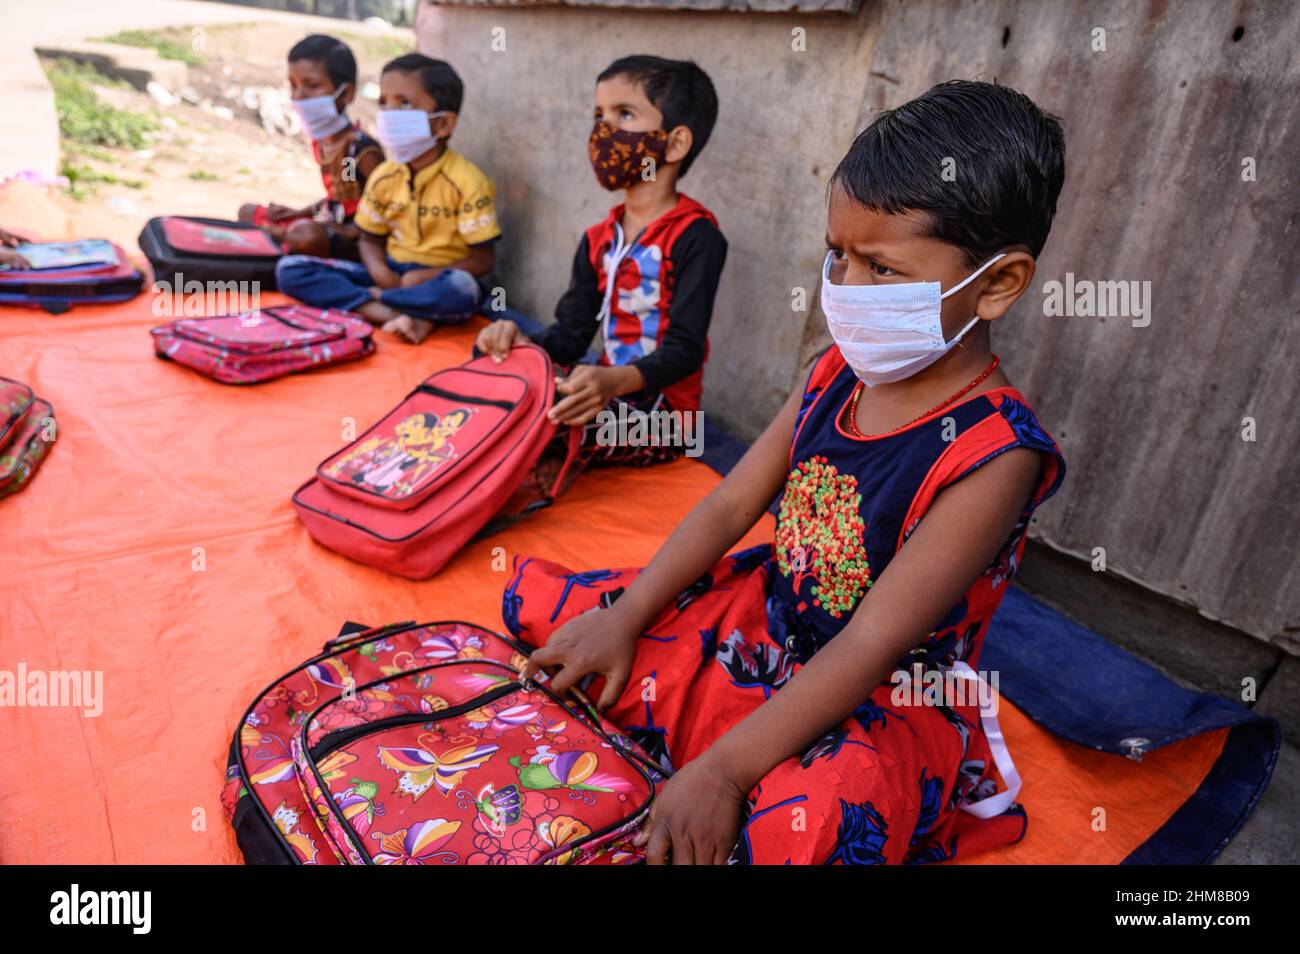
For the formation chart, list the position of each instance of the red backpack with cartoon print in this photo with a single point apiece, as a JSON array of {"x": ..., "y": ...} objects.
[
  {"x": 264, "y": 343},
  {"x": 418, "y": 744},
  {"x": 25, "y": 424},
  {"x": 459, "y": 451}
]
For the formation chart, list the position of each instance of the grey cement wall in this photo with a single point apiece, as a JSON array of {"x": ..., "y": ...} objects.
[
  {"x": 527, "y": 115},
  {"x": 1157, "y": 126}
]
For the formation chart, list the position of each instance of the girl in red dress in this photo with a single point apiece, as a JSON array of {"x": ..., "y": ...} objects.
[{"x": 908, "y": 468}]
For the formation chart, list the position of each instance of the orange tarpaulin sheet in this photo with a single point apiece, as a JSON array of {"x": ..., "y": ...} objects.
[{"x": 158, "y": 546}]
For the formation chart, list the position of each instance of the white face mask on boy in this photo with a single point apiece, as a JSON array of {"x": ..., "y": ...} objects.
[
  {"x": 405, "y": 133},
  {"x": 320, "y": 115},
  {"x": 890, "y": 332}
]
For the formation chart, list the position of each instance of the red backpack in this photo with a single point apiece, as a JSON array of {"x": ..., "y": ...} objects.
[
  {"x": 23, "y": 440},
  {"x": 264, "y": 344},
  {"x": 184, "y": 248},
  {"x": 418, "y": 744},
  {"x": 462, "y": 448}
]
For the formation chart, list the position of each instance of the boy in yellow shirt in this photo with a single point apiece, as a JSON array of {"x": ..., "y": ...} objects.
[{"x": 427, "y": 219}]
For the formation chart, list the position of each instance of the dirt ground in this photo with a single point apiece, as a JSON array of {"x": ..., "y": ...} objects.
[{"x": 199, "y": 163}]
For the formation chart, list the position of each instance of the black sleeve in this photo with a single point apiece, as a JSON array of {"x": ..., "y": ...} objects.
[
  {"x": 697, "y": 259},
  {"x": 568, "y": 339}
]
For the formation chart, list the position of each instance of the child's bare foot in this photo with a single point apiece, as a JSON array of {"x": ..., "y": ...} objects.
[
  {"x": 410, "y": 329},
  {"x": 377, "y": 313}
]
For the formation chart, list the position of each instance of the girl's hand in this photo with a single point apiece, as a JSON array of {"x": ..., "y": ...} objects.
[
  {"x": 495, "y": 340},
  {"x": 9, "y": 239},
  {"x": 599, "y": 641},
  {"x": 13, "y": 259},
  {"x": 588, "y": 390},
  {"x": 695, "y": 818},
  {"x": 275, "y": 212}
]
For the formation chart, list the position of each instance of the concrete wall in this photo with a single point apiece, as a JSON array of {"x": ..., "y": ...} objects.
[
  {"x": 527, "y": 115},
  {"x": 1157, "y": 126}
]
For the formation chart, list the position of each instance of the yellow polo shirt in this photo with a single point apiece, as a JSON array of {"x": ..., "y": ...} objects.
[{"x": 432, "y": 216}]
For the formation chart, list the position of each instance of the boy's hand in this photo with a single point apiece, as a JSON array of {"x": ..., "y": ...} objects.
[
  {"x": 589, "y": 388},
  {"x": 695, "y": 817},
  {"x": 599, "y": 641},
  {"x": 8, "y": 238},
  {"x": 13, "y": 260},
  {"x": 417, "y": 275},
  {"x": 276, "y": 212},
  {"x": 497, "y": 338},
  {"x": 384, "y": 277}
]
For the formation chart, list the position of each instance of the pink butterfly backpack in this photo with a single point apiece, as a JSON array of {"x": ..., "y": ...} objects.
[
  {"x": 418, "y": 744},
  {"x": 264, "y": 343},
  {"x": 26, "y": 424}
]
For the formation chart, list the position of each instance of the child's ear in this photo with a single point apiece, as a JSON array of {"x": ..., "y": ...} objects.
[
  {"x": 443, "y": 126},
  {"x": 680, "y": 141},
  {"x": 346, "y": 96},
  {"x": 1009, "y": 277}
]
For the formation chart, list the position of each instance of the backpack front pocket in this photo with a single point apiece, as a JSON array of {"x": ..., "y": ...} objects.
[
  {"x": 458, "y": 763},
  {"x": 440, "y": 429}
]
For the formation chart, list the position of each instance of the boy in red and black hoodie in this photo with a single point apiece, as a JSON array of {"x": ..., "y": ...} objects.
[{"x": 645, "y": 277}]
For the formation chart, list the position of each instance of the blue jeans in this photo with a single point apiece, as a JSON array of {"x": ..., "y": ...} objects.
[{"x": 450, "y": 296}]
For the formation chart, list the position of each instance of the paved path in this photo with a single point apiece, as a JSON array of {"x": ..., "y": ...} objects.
[{"x": 28, "y": 126}]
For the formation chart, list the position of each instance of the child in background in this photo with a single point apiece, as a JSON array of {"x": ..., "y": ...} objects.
[
  {"x": 323, "y": 81},
  {"x": 646, "y": 275},
  {"x": 427, "y": 218},
  {"x": 909, "y": 468}
]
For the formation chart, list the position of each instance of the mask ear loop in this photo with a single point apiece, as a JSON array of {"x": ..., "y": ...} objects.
[{"x": 958, "y": 341}]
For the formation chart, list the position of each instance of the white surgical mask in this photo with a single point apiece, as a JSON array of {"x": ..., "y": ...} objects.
[
  {"x": 405, "y": 133},
  {"x": 320, "y": 115},
  {"x": 890, "y": 332}
]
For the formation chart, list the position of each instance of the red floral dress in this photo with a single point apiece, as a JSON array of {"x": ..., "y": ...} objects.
[{"x": 887, "y": 785}]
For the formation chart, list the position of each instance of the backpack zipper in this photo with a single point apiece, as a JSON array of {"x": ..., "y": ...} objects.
[{"x": 341, "y": 737}]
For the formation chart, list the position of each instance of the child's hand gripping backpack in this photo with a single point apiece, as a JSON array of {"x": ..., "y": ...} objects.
[
  {"x": 265, "y": 343},
  {"x": 418, "y": 744},
  {"x": 462, "y": 448},
  {"x": 64, "y": 274},
  {"x": 25, "y": 422}
]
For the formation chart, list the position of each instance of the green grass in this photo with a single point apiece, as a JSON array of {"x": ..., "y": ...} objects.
[
  {"x": 76, "y": 150},
  {"x": 86, "y": 119},
  {"x": 376, "y": 49},
  {"x": 201, "y": 175},
  {"x": 170, "y": 44},
  {"x": 84, "y": 181}
]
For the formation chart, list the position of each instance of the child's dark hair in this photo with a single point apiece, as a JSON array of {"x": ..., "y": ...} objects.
[
  {"x": 679, "y": 89},
  {"x": 437, "y": 77},
  {"x": 335, "y": 55},
  {"x": 1006, "y": 155}
]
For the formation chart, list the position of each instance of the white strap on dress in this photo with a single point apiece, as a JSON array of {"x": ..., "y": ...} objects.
[{"x": 999, "y": 803}]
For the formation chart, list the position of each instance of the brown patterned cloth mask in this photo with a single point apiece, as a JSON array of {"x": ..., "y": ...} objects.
[{"x": 619, "y": 156}]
